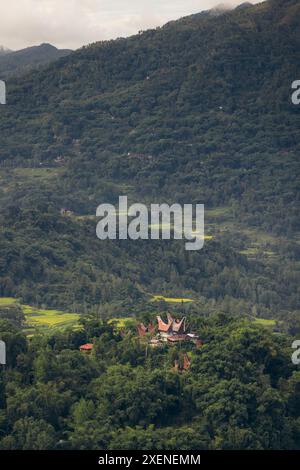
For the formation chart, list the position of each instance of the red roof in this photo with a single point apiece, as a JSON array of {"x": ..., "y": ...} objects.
[
  {"x": 86, "y": 347},
  {"x": 179, "y": 326},
  {"x": 151, "y": 328},
  {"x": 186, "y": 362},
  {"x": 162, "y": 326},
  {"x": 142, "y": 330},
  {"x": 176, "y": 326}
]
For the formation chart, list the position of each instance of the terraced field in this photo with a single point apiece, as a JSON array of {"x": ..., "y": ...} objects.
[
  {"x": 37, "y": 318},
  {"x": 6, "y": 301},
  {"x": 121, "y": 323},
  {"x": 40, "y": 318}
]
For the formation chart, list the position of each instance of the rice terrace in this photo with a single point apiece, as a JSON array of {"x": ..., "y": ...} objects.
[
  {"x": 45, "y": 320},
  {"x": 41, "y": 319}
]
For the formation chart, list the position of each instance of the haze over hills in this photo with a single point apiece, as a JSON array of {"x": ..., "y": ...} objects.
[
  {"x": 212, "y": 13},
  {"x": 196, "y": 111},
  {"x": 4, "y": 51},
  {"x": 18, "y": 62}
]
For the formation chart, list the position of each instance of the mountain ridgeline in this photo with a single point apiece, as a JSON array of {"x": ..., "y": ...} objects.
[
  {"x": 4, "y": 51},
  {"x": 196, "y": 111},
  {"x": 14, "y": 63}
]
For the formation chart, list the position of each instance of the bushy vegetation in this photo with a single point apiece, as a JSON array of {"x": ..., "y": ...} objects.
[
  {"x": 52, "y": 261},
  {"x": 241, "y": 392}
]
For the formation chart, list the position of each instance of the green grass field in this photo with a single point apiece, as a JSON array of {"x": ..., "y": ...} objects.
[
  {"x": 41, "y": 318},
  {"x": 37, "y": 318},
  {"x": 48, "y": 319},
  {"x": 6, "y": 301},
  {"x": 122, "y": 322},
  {"x": 265, "y": 322},
  {"x": 171, "y": 300}
]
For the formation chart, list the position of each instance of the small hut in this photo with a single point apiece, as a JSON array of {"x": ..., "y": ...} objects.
[{"x": 86, "y": 348}]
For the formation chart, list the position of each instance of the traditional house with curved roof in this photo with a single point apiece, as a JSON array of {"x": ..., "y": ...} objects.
[{"x": 173, "y": 330}]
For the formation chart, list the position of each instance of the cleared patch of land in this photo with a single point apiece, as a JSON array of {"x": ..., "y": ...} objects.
[
  {"x": 41, "y": 318},
  {"x": 38, "y": 318},
  {"x": 6, "y": 301},
  {"x": 265, "y": 322},
  {"x": 121, "y": 323},
  {"x": 174, "y": 300}
]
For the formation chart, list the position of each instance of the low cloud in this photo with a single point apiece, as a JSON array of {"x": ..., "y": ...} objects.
[{"x": 73, "y": 23}]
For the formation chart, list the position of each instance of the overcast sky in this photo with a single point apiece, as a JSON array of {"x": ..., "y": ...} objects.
[{"x": 73, "y": 23}]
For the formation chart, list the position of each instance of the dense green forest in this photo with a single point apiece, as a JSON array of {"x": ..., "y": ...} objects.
[
  {"x": 56, "y": 261},
  {"x": 241, "y": 392},
  {"x": 197, "y": 111}
]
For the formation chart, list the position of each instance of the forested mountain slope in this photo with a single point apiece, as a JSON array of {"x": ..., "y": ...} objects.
[
  {"x": 19, "y": 62},
  {"x": 201, "y": 107},
  {"x": 196, "y": 111},
  {"x": 4, "y": 51}
]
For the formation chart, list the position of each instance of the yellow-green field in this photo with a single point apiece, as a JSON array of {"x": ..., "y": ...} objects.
[
  {"x": 122, "y": 322},
  {"x": 265, "y": 322},
  {"x": 6, "y": 301},
  {"x": 37, "y": 318},
  {"x": 47, "y": 319},
  {"x": 171, "y": 300},
  {"x": 41, "y": 318}
]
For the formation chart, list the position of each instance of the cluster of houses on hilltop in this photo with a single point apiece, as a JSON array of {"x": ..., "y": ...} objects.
[{"x": 172, "y": 332}]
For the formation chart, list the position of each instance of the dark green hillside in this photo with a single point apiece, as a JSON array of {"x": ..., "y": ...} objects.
[
  {"x": 196, "y": 111},
  {"x": 55, "y": 261},
  {"x": 4, "y": 51},
  {"x": 200, "y": 107},
  {"x": 14, "y": 63}
]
